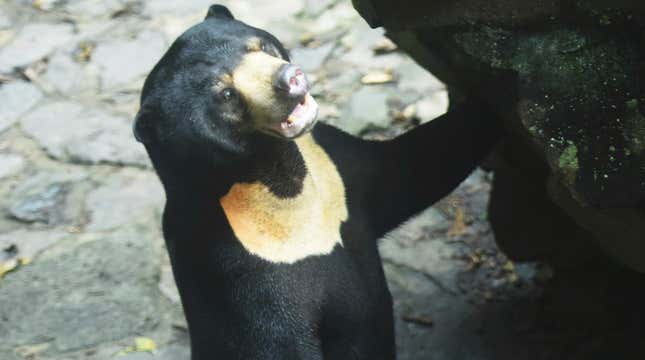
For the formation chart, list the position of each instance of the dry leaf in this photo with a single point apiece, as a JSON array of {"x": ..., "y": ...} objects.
[
  {"x": 422, "y": 320},
  {"x": 377, "y": 77},
  {"x": 84, "y": 52},
  {"x": 384, "y": 46},
  {"x": 509, "y": 267},
  {"x": 31, "y": 351},
  {"x": 458, "y": 227},
  {"x": 144, "y": 344},
  {"x": 8, "y": 266},
  {"x": 44, "y": 5},
  {"x": 141, "y": 344}
]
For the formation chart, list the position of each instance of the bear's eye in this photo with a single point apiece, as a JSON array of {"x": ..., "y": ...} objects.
[{"x": 228, "y": 94}]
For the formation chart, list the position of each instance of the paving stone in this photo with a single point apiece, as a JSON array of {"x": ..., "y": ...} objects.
[
  {"x": 435, "y": 257},
  {"x": 45, "y": 198},
  {"x": 70, "y": 77},
  {"x": 260, "y": 13},
  {"x": 359, "y": 41},
  {"x": 367, "y": 108},
  {"x": 158, "y": 7},
  {"x": 174, "y": 352},
  {"x": 167, "y": 284},
  {"x": 25, "y": 244},
  {"x": 415, "y": 78},
  {"x": 70, "y": 132},
  {"x": 123, "y": 61},
  {"x": 10, "y": 164},
  {"x": 123, "y": 198},
  {"x": 91, "y": 9},
  {"x": 432, "y": 106},
  {"x": 5, "y": 21},
  {"x": 136, "y": 356},
  {"x": 338, "y": 17},
  {"x": 315, "y": 7},
  {"x": 17, "y": 98},
  {"x": 100, "y": 291},
  {"x": 34, "y": 42},
  {"x": 311, "y": 59}
]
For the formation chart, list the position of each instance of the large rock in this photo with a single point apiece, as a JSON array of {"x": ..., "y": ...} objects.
[
  {"x": 570, "y": 93},
  {"x": 70, "y": 132},
  {"x": 32, "y": 43}
]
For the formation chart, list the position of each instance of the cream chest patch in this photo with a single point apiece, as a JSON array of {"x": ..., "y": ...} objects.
[{"x": 287, "y": 230}]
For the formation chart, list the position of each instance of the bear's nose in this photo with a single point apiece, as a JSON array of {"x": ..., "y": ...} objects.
[{"x": 292, "y": 80}]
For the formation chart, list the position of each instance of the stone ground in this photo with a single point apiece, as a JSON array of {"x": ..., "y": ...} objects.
[{"x": 83, "y": 271}]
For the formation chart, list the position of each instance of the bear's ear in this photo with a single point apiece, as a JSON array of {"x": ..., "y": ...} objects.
[
  {"x": 220, "y": 12},
  {"x": 144, "y": 127}
]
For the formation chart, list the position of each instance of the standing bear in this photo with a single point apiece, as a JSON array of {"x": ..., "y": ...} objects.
[{"x": 272, "y": 223}]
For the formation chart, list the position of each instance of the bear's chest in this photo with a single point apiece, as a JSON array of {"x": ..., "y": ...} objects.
[{"x": 285, "y": 230}]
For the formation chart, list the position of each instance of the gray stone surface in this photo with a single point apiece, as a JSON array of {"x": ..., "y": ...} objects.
[
  {"x": 435, "y": 257},
  {"x": 5, "y": 21},
  {"x": 367, "y": 108},
  {"x": 34, "y": 42},
  {"x": 123, "y": 198},
  {"x": 10, "y": 164},
  {"x": 123, "y": 61},
  {"x": 17, "y": 98},
  {"x": 70, "y": 77},
  {"x": 46, "y": 198},
  {"x": 93, "y": 293},
  {"x": 89, "y": 9},
  {"x": 26, "y": 244},
  {"x": 310, "y": 59},
  {"x": 69, "y": 131}
]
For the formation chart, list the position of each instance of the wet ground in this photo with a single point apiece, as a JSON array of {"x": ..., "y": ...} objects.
[{"x": 83, "y": 271}]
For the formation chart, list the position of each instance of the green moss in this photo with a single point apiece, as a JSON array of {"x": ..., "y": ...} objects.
[
  {"x": 568, "y": 163},
  {"x": 634, "y": 131}
]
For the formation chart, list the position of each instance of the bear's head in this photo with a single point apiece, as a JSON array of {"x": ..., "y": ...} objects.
[{"x": 221, "y": 87}]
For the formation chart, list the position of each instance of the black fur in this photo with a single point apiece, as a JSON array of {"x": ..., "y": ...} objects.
[{"x": 239, "y": 306}]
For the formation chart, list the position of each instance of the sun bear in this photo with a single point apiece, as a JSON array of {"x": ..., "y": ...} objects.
[{"x": 271, "y": 221}]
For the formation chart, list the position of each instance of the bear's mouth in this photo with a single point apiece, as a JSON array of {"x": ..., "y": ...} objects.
[{"x": 302, "y": 119}]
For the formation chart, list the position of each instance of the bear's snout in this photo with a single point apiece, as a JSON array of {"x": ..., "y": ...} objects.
[{"x": 292, "y": 80}]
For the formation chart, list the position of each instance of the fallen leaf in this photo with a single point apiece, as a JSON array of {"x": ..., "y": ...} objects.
[
  {"x": 141, "y": 344},
  {"x": 407, "y": 114},
  {"x": 144, "y": 344},
  {"x": 377, "y": 77},
  {"x": 44, "y": 5},
  {"x": 458, "y": 227},
  {"x": 31, "y": 351},
  {"x": 84, "y": 52},
  {"x": 513, "y": 278},
  {"x": 422, "y": 320},
  {"x": 509, "y": 267},
  {"x": 384, "y": 46},
  {"x": 8, "y": 266},
  {"x": 307, "y": 38}
]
